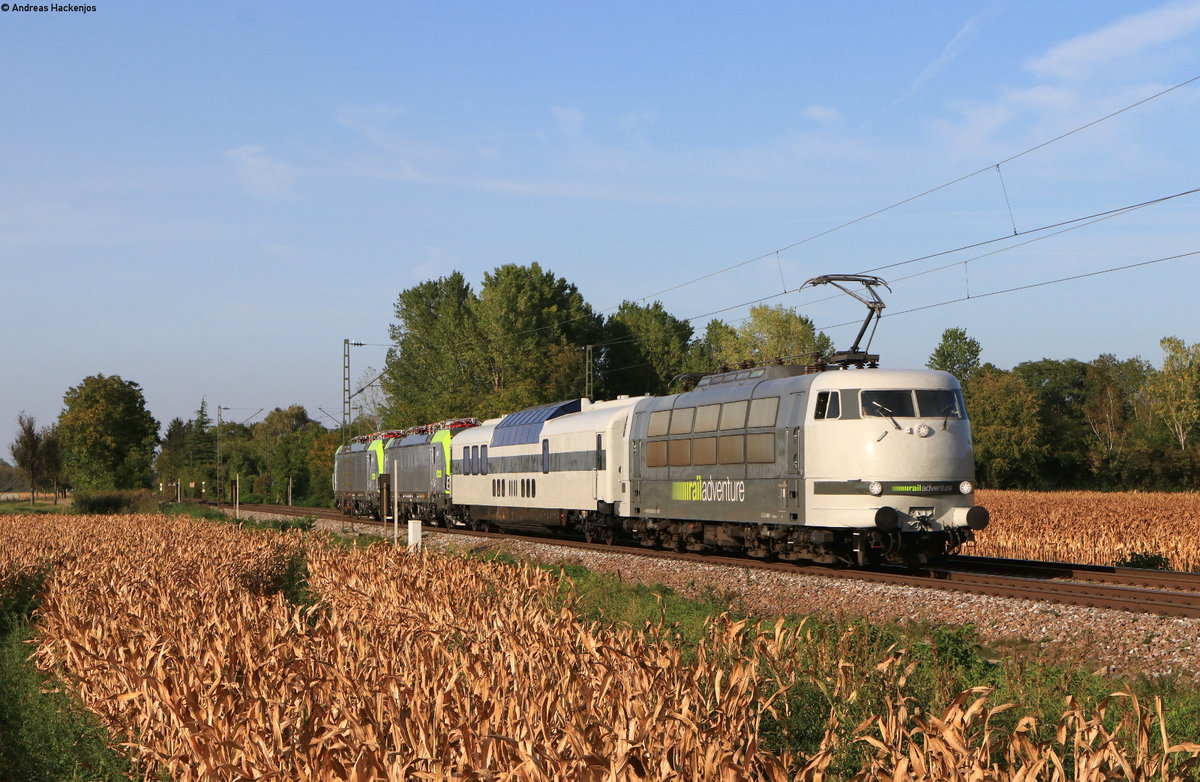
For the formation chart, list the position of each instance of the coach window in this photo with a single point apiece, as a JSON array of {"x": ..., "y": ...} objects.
[
  {"x": 599, "y": 452},
  {"x": 704, "y": 450},
  {"x": 466, "y": 465},
  {"x": 732, "y": 449},
  {"x": 681, "y": 420},
  {"x": 828, "y": 405},
  {"x": 733, "y": 416},
  {"x": 763, "y": 411},
  {"x": 545, "y": 456},
  {"x": 656, "y": 453},
  {"x": 679, "y": 452},
  {"x": 706, "y": 418},
  {"x": 658, "y": 423},
  {"x": 760, "y": 448},
  {"x": 475, "y": 460},
  {"x": 483, "y": 465}
]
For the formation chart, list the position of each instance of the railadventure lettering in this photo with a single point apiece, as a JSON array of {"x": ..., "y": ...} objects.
[{"x": 711, "y": 490}]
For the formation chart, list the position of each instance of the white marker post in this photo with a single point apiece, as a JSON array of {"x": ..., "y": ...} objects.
[
  {"x": 395, "y": 503},
  {"x": 414, "y": 534}
]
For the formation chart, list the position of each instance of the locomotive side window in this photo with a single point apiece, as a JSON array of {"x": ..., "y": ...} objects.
[
  {"x": 732, "y": 449},
  {"x": 679, "y": 453},
  {"x": 706, "y": 418},
  {"x": 656, "y": 454},
  {"x": 733, "y": 415},
  {"x": 704, "y": 450},
  {"x": 763, "y": 412},
  {"x": 897, "y": 404},
  {"x": 760, "y": 448},
  {"x": 681, "y": 420},
  {"x": 940, "y": 403},
  {"x": 658, "y": 423},
  {"x": 829, "y": 405}
]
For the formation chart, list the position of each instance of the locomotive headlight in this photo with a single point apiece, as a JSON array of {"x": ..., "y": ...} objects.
[
  {"x": 966, "y": 487},
  {"x": 875, "y": 487},
  {"x": 924, "y": 430}
]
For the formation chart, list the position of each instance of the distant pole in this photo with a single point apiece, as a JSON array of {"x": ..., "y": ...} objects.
[
  {"x": 237, "y": 496},
  {"x": 588, "y": 385},
  {"x": 289, "y": 491},
  {"x": 395, "y": 502}
]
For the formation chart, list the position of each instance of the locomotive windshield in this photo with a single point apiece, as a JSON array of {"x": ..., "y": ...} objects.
[{"x": 921, "y": 403}]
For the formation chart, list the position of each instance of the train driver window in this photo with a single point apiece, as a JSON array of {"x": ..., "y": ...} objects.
[
  {"x": 829, "y": 405},
  {"x": 897, "y": 404}
]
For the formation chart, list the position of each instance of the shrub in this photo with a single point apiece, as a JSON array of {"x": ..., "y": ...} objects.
[
  {"x": 1147, "y": 560},
  {"x": 109, "y": 502}
]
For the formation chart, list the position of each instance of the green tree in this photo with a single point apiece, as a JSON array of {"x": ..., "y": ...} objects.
[
  {"x": 1006, "y": 429},
  {"x": 1175, "y": 389},
  {"x": 769, "y": 334},
  {"x": 646, "y": 347},
  {"x": 432, "y": 372},
  {"x": 1061, "y": 390},
  {"x": 957, "y": 354},
  {"x": 533, "y": 327},
  {"x": 1112, "y": 388},
  {"x": 108, "y": 436},
  {"x": 170, "y": 463},
  {"x": 26, "y": 451},
  {"x": 51, "y": 461},
  {"x": 282, "y": 439}
]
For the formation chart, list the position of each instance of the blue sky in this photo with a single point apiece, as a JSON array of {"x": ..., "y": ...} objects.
[{"x": 208, "y": 198}]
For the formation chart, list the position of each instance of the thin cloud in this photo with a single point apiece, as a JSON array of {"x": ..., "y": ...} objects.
[
  {"x": 262, "y": 176},
  {"x": 1116, "y": 43},
  {"x": 958, "y": 44},
  {"x": 825, "y": 114}
]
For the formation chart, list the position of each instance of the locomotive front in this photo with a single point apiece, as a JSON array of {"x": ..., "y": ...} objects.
[{"x": 888, "y": 454}]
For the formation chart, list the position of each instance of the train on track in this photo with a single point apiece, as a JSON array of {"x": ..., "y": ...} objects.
[{"x": 840, "y": 462}]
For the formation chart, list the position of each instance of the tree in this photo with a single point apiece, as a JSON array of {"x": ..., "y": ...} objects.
[
  {"x": 108, "y": 435},
  {"x": 770, "y": 333},
  {"x": 432, "y": 372},
  {"x": 26, "y": 451},
  {"x": 957, "y": 354},
  {"x": 1175, "y": 389},
  {"x": 1061, "y": 390},
  {"x": 646, "y": 347},
  {"x": 1006, "y": 429},
  {"x": 532, "y": 330},
  {"x": 51, "y": 461},
  {"x": 1111, "y": 390}
]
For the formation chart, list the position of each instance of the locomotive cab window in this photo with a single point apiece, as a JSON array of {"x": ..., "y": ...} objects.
[
  {"x": 896, "y": 404},
  {"x": 829, "y": 405},
  {"x": 940, "y": 403}
]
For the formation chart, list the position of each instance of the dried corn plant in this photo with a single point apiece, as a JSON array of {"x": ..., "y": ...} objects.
[
  {"x": 1092, "y": 528},
  {"x": 429, "y": 667}
]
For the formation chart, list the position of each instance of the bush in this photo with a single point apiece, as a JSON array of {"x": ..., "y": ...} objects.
[
  {"x": 1147, "y": 560},
  {"x": 110, "y": 502}
]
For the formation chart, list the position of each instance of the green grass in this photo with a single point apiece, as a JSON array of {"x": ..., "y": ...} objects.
[
  {"x": 29, "y": 508},
  {"x": 45, "y": 734}
]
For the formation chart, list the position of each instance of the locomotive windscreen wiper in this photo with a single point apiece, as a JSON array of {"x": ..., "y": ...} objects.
[{"x": 884, "y": 411}]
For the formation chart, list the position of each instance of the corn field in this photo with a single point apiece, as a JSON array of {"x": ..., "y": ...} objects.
[
  {"x": 1091, "y": 528},
  {"x": 417, "y": 666}
]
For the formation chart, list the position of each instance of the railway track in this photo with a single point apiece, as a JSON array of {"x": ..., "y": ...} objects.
[{"x": 1166, "y": 593}]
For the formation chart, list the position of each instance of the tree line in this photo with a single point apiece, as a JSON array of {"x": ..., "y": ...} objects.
[
  {"x": 1104, "y": 424},
  {"x": 528, "y": 337}
]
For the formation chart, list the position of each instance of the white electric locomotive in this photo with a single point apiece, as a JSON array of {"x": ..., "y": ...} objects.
[{"x": 839, "y": 462}]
